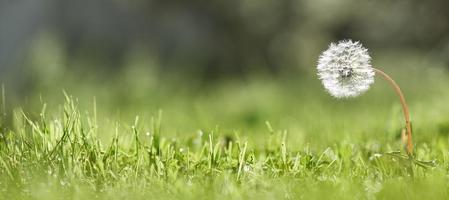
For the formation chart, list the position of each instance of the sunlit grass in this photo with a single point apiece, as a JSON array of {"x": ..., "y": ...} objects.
[
  {"x": 260, "y": 138},
  {"x": 62, "y": 157}
]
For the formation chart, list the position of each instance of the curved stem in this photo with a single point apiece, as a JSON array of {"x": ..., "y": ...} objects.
[{"x": 408, "y": 125}]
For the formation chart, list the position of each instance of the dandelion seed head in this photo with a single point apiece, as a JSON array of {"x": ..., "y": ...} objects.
[{"x": 345, "y": 69}]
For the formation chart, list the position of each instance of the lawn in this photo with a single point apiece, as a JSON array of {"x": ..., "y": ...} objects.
[{"x": 258, "y": 138}]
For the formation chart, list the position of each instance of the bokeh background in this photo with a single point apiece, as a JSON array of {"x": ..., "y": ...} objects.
[{"x": 232, "y": 64}]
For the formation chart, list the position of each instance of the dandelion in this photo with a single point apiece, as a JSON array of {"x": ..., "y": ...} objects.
[{"x": 345, "y": 71}]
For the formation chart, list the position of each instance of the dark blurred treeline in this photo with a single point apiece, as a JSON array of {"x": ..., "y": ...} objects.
[{"x": 214, "y": 38}]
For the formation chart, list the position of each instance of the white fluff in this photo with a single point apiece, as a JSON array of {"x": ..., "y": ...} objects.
[{"x": 345, "y": 69}]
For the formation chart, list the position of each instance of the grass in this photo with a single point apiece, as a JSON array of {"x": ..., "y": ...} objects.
[
  {"x": 63, "y": 158},
  {"x": 275, "y": 139}
]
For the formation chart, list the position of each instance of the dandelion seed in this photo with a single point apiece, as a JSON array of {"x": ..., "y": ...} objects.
[
  {"x": 375, "y": 156},
  {"x": 345, "y": 69},
  {"x": 247, "y": 168}
]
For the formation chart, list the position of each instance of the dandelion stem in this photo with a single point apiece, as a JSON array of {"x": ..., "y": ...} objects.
[{"x": 408, "y": 125}]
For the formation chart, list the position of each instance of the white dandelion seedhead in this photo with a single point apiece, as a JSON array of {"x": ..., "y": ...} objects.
[{"x": 345, "y": 69}]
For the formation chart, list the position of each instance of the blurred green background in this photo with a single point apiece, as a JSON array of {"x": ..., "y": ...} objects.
[{"x": 231, "y": 64}]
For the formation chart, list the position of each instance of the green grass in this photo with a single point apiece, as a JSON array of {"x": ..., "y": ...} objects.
[
  {"x": 63, "y": 158},
  {"x": 258, "y": 139}
]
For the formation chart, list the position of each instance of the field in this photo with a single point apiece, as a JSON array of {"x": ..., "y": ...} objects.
[{"x": 144, "y": 137}]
